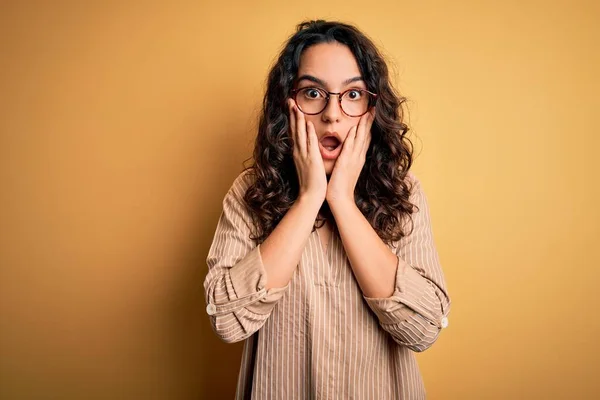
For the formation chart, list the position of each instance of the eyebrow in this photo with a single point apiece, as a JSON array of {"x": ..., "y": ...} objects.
[{"x": 323, "y": 83}]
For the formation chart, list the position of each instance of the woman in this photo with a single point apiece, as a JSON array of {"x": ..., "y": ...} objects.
[{"x": 320, "y": 261}]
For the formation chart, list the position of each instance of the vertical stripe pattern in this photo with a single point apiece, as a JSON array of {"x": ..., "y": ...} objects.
[{"x": 320, "y": 337}]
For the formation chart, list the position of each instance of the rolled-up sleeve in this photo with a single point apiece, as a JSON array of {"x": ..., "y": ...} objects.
[
  {"x": 418, "y": 309},
  {"x": 238, "y": 303}
]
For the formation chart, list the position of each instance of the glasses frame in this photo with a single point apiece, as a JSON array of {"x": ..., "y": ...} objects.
[{"x": 339, "y": 94}]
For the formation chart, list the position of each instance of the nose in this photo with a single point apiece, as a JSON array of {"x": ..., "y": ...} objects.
[{"x": 332, "y": 112}]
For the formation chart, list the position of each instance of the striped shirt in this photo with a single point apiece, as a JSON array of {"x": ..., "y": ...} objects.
[{"x": 320, "y": 337}]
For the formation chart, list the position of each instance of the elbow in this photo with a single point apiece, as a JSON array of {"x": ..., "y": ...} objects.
[
  {"x": 425, "y": 343},
  {"x": 236, "y": 326},
  {"x": 231, "y": 339},
  {"x": 229, "y": 333},
  {"x": 237, "y": 320},
  {"x": 417, "y": 333}
]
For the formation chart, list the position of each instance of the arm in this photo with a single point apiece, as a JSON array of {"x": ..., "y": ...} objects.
[
  {"x": 244, "y": 281},
  {"x": 404, "y": 287}
]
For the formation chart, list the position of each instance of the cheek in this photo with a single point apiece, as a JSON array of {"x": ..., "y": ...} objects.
[
  {"x": 346, "y": 127},
  {"x": 315, "y": 121}
]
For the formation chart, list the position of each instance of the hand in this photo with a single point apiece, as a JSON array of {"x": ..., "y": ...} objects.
[
  {"x": 307, "y": 157},
  {"x": 350, "y": 161}
]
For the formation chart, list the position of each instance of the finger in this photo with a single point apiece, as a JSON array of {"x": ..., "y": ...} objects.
[
  {"x": 312, "y": 140},
  {"x": 350, "y": 139},
  {"x": 369, "y": 130},
  {"x": 366, "y": 144},
  {"x": 301, "y": 131},
  {"x": 360, "y": 131},
  {"x": 292, "y": 120}
]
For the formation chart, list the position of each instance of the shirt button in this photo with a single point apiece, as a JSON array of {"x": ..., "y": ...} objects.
[
  {"x": 211, "y": 309},
  {"x": 444, "y": 322}
]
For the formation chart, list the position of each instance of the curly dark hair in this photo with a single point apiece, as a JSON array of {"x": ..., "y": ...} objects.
[{"x": 382, "y": 192}]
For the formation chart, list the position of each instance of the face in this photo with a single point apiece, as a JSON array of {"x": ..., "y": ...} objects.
[{"x": 332, "y": 67}]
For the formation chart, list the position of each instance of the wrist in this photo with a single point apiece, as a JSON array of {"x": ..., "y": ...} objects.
[
  {"x": 341, "y": 205},
  {"x": 314, "y": 203}
]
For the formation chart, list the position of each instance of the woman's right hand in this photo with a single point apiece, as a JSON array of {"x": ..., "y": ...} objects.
[{"x": 307, "y": 157}]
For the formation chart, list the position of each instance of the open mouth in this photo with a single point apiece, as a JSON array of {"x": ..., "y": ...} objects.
[
  {"x": 330, "y": 143},
  {"x": 330, "y": 147}
]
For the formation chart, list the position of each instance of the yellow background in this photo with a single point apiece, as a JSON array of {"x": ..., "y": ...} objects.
[{"x": 124, "y": 123}]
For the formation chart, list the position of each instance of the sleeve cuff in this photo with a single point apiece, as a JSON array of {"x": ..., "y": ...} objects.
[
  {"x": 248, "y": 280},
  {"x": 249, "y": 275},
  {"x": 413, "y": 294}
]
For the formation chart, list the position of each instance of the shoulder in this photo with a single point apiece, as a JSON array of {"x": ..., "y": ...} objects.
[
  {"x": 416, "y": 193},
  {"x": 241, "y": 184},
  {"x": 234, "y": 205},
  {"x": 413, "y": 183},
  {"x": 411, "y": 178}
]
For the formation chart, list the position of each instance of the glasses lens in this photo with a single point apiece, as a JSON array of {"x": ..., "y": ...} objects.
[
  {"x": 356, "y": 102},
  {"x": 311, "y": 100}
]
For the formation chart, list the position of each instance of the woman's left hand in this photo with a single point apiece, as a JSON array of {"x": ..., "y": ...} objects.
[{"x": 350, "y": 161}]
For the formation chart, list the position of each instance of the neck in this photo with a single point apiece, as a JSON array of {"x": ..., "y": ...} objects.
[{"x": 325, "y": 213}]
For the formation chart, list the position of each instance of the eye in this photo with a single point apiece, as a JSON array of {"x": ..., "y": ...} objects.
[
  {"x": 312, "y": 93},
  {"x": 354, "y": 94}
]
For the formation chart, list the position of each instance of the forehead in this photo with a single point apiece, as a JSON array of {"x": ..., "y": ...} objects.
[{"x": 330, "y": 62}]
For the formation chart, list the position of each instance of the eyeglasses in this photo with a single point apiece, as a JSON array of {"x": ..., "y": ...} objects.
[{"x": 353, "y": 102}]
